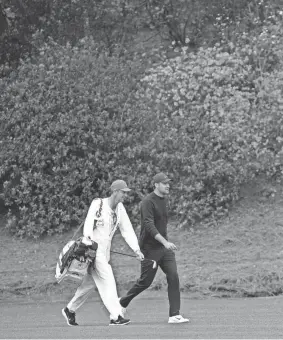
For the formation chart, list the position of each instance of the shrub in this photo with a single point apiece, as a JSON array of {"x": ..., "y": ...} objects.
[
  {"x": 215, "y": 121},
  {"x": 201, "y": 132},
  {"x": 60, "y": 129},
  {"x": 75, "y": 119}
]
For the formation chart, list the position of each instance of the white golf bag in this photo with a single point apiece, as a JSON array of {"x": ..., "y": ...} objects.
[
  {"x": 77, "y": 256},
  {"x": 75, "y": 259}
]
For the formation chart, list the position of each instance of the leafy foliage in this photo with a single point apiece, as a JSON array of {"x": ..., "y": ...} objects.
[
  {"x": 191, "y": 23},
  {"x": 218, "y": 120},
  {"x": 110, "y": 23},
  {"x": 75, "y": 117},
  {"x": 60, "y": 129}
]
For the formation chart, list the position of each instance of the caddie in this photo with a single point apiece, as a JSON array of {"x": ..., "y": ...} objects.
[{"x": 101, "y": 230}]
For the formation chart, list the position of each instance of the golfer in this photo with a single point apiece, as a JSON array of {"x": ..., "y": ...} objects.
[
  {"x": 101, "y": 230},
  {"x": 155, "y": 245}
]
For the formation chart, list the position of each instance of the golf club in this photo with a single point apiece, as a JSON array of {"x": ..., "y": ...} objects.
[{"x": 154, "y": 265}]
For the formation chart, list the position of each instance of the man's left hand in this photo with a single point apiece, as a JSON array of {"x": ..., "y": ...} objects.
[{"x": 139, "y": 255}]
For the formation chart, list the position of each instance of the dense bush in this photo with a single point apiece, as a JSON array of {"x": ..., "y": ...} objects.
[
  {"x": 61, "y": 134},
  {"x": 73, "y": 119},
  {"x": 217, "y": 120}
]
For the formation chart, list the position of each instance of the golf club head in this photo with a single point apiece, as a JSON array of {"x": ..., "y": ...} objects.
[{"x": 154, "y": 264}]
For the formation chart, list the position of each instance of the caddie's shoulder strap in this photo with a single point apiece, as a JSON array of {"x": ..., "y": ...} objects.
[
  {"x": 98, "y": 214},
  {"x": 99, "y": 211}
]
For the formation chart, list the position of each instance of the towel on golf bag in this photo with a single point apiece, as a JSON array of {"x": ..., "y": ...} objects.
[{"x": 75, "y": 259}]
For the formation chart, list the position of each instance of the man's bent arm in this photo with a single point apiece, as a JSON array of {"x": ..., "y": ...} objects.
[
  {"x": 148, "y": 218},
  {"x": 161, "y": 239},
  {"x": 127, "y": 230}
]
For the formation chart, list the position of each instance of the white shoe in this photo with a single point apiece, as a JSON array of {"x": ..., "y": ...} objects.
[
  {"x": 123, "y": 310},
  {"x": 177, "y": 319}
]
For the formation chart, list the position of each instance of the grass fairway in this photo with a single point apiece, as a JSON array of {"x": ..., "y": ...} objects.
[{"x": 241, "y": 256}]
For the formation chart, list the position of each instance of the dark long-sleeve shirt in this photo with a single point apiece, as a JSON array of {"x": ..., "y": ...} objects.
[{"x": 154, "y": 218}]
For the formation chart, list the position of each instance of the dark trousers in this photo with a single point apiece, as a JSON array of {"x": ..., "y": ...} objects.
[{"x": 165, "y": 259}]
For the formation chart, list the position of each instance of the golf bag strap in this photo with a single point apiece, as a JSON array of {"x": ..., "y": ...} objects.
[{"x": 98, "y": 214}]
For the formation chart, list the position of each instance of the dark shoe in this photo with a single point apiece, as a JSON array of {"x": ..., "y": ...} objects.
[
  {"x": 119, "y": 322},
  {"x": 69, "y": 316}
]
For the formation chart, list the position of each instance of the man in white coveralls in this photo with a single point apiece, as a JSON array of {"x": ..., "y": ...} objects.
[{"x": 101, "y": 230}]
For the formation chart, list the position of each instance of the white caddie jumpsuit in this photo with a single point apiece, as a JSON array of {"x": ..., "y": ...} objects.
[{"x": 102, "y": 274}]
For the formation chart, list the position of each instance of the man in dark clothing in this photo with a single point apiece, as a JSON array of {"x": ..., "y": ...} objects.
[{"x": 154, "y": 245}]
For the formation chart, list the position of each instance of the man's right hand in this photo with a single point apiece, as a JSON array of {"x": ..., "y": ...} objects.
[{"x": 170, "y": 246}]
